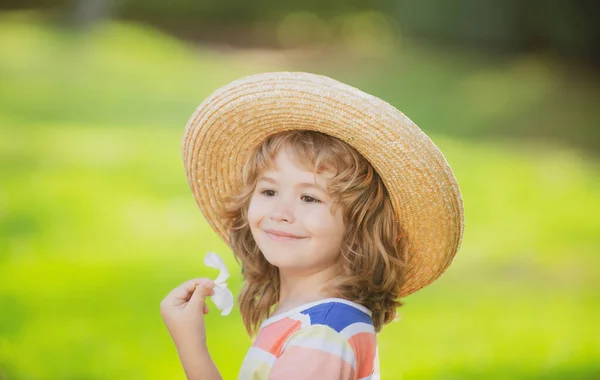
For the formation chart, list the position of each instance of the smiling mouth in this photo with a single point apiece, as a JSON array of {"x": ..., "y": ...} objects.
[{"x": 277, "y": 236}]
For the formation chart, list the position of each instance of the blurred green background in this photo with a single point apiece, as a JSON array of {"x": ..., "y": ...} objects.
[{"x": 97, "y": 223}]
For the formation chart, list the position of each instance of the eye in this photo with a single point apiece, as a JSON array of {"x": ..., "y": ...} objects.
[
  {"x": 268, "y": 192},
  {"x": 309, "y": 199}
]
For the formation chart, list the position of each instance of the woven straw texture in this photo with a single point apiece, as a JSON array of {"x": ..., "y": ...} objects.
[{"x": 233, "y": 120}]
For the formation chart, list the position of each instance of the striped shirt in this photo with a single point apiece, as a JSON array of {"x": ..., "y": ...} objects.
[{"x": 327, "y": 339}]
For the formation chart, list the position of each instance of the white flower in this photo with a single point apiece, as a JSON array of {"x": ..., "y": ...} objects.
[{"x": 223, "y": 298}]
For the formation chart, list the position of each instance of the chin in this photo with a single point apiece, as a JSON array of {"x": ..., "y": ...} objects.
[{"x": 280, "y": 259}]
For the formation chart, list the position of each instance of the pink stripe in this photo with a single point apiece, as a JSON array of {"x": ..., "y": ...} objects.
[{"x": 301, "y": 363}]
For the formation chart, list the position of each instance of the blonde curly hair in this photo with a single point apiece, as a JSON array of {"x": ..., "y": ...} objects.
[{"x": 373, "y": 252}]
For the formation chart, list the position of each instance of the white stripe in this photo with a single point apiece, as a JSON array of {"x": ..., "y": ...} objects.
[
  {"x": 376, "y": 361},
  {"x": 255, "y": 353},
  {"x": 356, "y": 328},
  {"x": 344, "y": 351},
  {"x": 374, "y": 376},
  {"x": 350, "y": 303},
  {"x": 303, "y": 318}
]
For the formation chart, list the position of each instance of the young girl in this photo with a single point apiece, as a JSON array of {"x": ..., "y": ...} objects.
[{"x": 335, "y": 204}]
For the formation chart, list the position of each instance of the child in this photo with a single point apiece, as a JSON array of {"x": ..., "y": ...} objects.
[{"x": 335, "y": 204}]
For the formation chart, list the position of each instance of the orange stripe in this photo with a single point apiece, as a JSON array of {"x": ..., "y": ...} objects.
[
  {"x": 364, "y": 345},
  {"x": 272, "y": 337}
]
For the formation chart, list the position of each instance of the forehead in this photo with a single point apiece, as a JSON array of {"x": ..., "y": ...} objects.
[{"x": 287, "y": 161}]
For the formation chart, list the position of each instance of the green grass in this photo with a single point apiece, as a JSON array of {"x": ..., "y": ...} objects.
[{"x": 97, "y": 225}]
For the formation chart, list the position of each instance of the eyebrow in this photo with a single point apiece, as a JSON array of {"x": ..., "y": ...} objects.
[{"x": 301, "y": 184}]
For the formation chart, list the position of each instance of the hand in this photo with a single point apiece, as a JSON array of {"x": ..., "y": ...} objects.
[{"x": 183, "y": 312}]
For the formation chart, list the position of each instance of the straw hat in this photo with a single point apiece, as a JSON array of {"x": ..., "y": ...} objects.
[{"x": 233, "y": 120}]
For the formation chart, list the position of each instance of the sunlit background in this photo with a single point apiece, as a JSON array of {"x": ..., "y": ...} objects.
[{"x": 97, "y": 223}]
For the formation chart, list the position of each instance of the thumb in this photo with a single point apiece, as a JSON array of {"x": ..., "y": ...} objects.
[{"x": 203, "y": 290}]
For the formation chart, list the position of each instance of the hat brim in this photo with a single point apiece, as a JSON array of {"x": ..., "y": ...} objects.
[{"x": 231, "y": 122}]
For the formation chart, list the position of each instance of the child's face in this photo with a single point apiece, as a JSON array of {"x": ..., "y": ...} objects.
[{"x": 291, "y": 218}]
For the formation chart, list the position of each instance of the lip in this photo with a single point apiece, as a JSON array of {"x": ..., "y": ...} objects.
[{"x": 281, "y": 235}]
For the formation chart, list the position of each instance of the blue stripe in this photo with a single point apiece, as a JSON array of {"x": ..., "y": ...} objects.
[{"x": 336, "y": 315}]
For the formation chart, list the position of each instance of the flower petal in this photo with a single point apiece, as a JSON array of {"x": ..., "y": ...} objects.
[
  {"x": 215, "y": 261},
  {"x": 223, "y": 299}
]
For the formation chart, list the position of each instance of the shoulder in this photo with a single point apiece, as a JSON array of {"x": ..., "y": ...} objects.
[
  {"x": 332, "y": 323},
  {"x": 340, "y": 328},
  {"x": 343, "y": 329}
]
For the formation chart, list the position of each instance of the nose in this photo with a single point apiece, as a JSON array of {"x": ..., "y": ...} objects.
[{"x": 282, "y": 211}]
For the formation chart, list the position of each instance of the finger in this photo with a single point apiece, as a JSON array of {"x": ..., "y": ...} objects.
[
  {"x": 205, "y": 310},
  {"x": 203, "y": 290},
  {"x": 184, "y": 291}
]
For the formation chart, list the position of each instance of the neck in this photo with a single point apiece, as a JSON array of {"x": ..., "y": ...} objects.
[{"x": 297, "y": 288}]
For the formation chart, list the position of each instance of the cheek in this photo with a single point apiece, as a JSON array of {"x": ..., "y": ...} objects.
[
  {"x": 254, "y": 212},
  {"x": 326, "y": 224}
]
